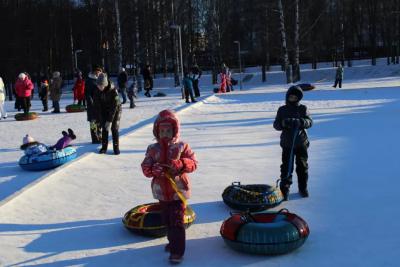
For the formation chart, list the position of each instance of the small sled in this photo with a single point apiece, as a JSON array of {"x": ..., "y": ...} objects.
[
  {"x": 146, "y": 220},
  {"x": 306, "y": 86},
  {"x": 26, "y": 117},
  {"x": 253, "y": 197},
  {"x": 75, "y": 108}
]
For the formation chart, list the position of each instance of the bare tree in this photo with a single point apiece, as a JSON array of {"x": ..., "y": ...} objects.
[
  {"x": 285, "y": 56},
  {"x": 296, "y": 65},
  {"x": 119, "y": 38}
]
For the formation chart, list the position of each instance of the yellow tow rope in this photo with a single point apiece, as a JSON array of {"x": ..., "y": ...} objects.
[{"x": 175, "y": 187}]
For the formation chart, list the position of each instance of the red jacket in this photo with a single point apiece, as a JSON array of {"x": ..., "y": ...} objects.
[
  {"x": 176, "y": 150},
  {"x": 79, "y": 89},
  {"x": 23, "y": 88},
  {"x": 224, "y": 83}
]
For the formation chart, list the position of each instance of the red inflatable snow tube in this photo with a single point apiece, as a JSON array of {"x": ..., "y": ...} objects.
[{"x": 268, "y": 233}]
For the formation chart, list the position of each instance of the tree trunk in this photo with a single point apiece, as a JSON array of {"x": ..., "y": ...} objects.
[
  {"x": 342, "y": 33},
  {"x": 296, "y": 68},
  {"x": 119, "y": 38},
  {"x": 73, "y": 59},
  {"x": 285, "y": 57}
]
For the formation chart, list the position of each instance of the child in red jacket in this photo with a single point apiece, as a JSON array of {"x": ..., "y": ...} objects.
[
  {"x": 79, "y": 89},
  {"x": 172, "y": 158}
]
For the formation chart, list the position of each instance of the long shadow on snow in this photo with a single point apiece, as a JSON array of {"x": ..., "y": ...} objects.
[
  {"x": 224, "y": 123},
  {"x": 209, "y": 212},
  {"x": 21, "y": 178},
  {"x": 230, "y": 146},
  {"x": 74, "y": 236},
  {"x": 209, "y": 251},
  {"x": 13, "y": 178},
  {"x": 315, "y": 95}
]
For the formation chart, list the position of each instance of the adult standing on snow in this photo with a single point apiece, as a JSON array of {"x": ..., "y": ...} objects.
[
  {"x": 196, "y": 75},
  {"x": 92, "y": 113},
  {"x": 122, "y": 84},
  {"x": 188, "y": 87},
  {"x": 3, "y": 113},
  {"x": 293, "y": 119},
  {"x": 79, "y": 89},
  {"x": 148, "y": 80},
  {"x": 23, "y": 89},
  {"x": 339, "y": 76},
  {"x": 109, "y": 107},
  {"x": 55, "y": 91}
]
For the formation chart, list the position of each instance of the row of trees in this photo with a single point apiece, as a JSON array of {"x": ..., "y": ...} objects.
[{"x": 46, "y": 35}]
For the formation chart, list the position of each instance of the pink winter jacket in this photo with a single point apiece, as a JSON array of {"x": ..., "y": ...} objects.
[
  {"x": 160, "y": 185},
  {"x": 177, "y": 150},
  {"x": 23, "y": 88}
]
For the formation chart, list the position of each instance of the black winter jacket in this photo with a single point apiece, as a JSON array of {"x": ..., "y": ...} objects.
[
  {"x": 122, "y": 79},
  {"x": 108, "y": 103},
  {"x": 90, "y": 91},
  {"x": 297, "y": 111}
]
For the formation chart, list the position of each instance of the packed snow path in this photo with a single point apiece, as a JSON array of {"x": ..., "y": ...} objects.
[{"x": 73, "y": 218}]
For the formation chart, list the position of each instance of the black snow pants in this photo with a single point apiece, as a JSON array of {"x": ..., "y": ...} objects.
[{"x": 300, "y": 156}]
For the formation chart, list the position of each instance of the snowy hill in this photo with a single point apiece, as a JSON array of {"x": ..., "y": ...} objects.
[{"x": 71, "y": 216}]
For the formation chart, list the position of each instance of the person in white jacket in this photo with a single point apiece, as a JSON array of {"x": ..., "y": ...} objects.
[{"x": 3, "y": 113}]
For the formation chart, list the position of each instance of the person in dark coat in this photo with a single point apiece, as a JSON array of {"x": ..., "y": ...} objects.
[
  {"x": 56, "y": 84},
  {"x": 90, "y": 91},
  {"x": 44, "y": 93},
  {"x": 132, "y": 92},
  {"x": 339, "y": 76},
  {"x": 109, "y": 106},
  {"x": 290, "y": 119},
  {"x": 122, "y": 84},
  {"x": 148, "y": 80},
  {"x": 188, "y": 87},
  {"x": 196, "y": 75}
]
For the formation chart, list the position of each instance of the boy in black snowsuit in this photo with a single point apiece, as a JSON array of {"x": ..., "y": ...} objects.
[{"x": 294, "y": 118}]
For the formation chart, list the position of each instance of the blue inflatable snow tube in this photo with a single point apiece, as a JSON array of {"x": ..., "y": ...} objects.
[{"x": 47, "y": 160}]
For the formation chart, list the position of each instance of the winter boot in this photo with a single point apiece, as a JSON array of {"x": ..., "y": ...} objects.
[
  {"x": 175, "y": 258},
  {"x": 116, "y": 145},
  {"x": 304, "y": 193},
  {"x": 96, "y": 138},
  {"x": 64, "y": 133},
  {"x": 104, "y": 142},
  {"x": 285, "y": 191},
  {"x": 71, "y": 134}
]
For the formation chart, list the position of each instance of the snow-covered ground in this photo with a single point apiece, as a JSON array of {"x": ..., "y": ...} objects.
[{"x": 71, "y": 216}]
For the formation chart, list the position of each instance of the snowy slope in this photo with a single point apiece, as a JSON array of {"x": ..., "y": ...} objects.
[{"x": 72, "y": 217}]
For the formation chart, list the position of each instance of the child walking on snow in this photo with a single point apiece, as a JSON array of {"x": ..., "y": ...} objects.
[
  {"x": 293, "y": 119},
  {"x": 170, "y": 158}
]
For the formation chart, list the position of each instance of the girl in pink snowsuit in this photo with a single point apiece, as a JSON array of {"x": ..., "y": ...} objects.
[{"x": 169, "y": 155}]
